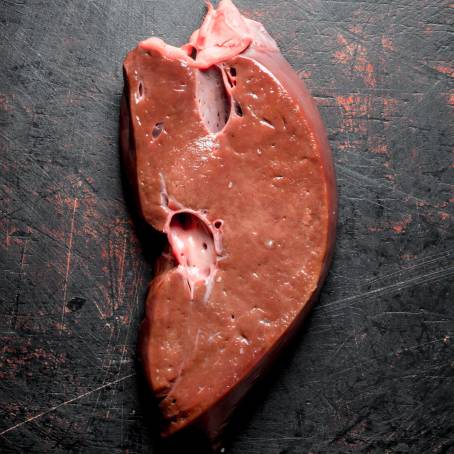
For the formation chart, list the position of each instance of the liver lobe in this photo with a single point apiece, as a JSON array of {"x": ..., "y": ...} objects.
[{"x": 264, "y": 186}]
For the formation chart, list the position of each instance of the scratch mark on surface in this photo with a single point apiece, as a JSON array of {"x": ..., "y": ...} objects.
[
  {"x": 7, "y": 237},
  {"x": 66, "y": 402},
  {"x": 121, "y": 283},
  {"x": 424, "y": 278},
  {"x": 431, "y": 259},
  {"x": 16, "y": 306},
  {"x": 68, "y": 260},
  {"x": 132, "y": 307}
]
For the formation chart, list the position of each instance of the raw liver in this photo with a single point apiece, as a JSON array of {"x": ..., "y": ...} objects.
[{"x": 247, "y": 200}]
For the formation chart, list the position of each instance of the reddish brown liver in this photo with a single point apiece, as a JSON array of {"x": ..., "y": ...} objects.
[{"x": 260, "y": 192}]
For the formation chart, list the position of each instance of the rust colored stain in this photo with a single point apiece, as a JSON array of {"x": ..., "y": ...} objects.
[
  {"x": 375, "y": 229},
  {"x": 389, "y": 107},
  {"x": 113, "y": 253},
  {"x": 61, "y": 327},
  {"x": 355, "y": 54},
  {"x": 356, "y": 29},
  {"x": 7, "y": 238},
  {"x": 14, "y": 357},
  {"x": 408, "y": 256},
  {"x": 390, "y": 177},
  {"x": 4, "y": 104},
  {"x": 91, "y": 218},
  {"x": 399, "y": 227},
  {"x": 75, "y": 204},
  {"x": 355, "y": 105},
  {"x": 355, "y": 108},
  {"x": 348, "y": 145},
  {"x": 381, "y": 148},
  {"x": 445, "y": 70},
  {"x": 387, "y": 43},
  {"x": 253, "y": 14}
]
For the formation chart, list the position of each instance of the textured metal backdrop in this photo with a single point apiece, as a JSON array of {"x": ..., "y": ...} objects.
[{"x": 372, "y": 371}]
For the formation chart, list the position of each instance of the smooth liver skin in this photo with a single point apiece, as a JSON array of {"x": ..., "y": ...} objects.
[{"x": 229, "y": 158}]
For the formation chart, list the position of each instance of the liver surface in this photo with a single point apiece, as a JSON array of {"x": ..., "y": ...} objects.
[{"x": 229, "y": 159}]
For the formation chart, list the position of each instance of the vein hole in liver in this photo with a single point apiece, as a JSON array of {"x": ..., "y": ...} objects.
[
  {"x": 212, "y": 98},
  {"x": 230, "y": 75},
  {"x": 157, "y": 130},
  {"x": 192, "y": 244},
  {"x": 140, "y": 89}
]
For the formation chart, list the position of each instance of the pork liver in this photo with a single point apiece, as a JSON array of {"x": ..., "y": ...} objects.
[{"x": 228, "y": 157}]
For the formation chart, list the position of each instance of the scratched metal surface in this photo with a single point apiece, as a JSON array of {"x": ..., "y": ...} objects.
[{"x": 372, "y": 371}]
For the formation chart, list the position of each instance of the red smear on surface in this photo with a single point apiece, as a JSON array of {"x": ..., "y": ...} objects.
[
  {"x": 443, "y": 216},
  {"x": 451, "y": 100}
]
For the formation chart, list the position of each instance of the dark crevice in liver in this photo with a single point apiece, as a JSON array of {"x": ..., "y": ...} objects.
[
  {"x": 238, "y": 108},
  {"x": 212, "y": 98},
  {"x": 230, "y": 82},
  {"x": 267, "y": 122},
  {"x": 284, "y": 122},
  {"x": 230, "y": 75},
  {"x": 243, "y": 336}
]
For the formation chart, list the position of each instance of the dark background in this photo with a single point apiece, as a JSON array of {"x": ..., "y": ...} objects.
[{"x": 373, "y": 370}]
